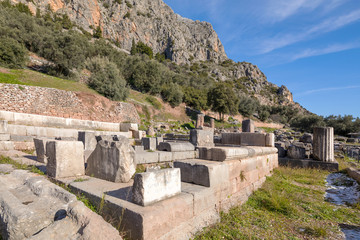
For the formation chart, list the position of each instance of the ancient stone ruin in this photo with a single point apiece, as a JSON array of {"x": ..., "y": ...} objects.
[{"x": 189, "y": 179}]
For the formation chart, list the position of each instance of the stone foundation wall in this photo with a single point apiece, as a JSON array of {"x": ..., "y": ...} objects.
[{"x": 67, "y": 104}]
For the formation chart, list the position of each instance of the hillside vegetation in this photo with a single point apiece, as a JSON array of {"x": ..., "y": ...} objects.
[{"x": 75, "y": 54}]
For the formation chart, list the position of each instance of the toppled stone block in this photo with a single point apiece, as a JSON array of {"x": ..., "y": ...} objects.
[
  {"x": 248, "y": 126},
  {"x": 112, "y": 161},
  {"x": 65, "y": 159},
  {"x": 203, "y": 138},
  {"x": 296, "y": 152},
  {"x": 204, "y": 173},
  {"x": 3, "y": 126},
  {"x": 88, "y": 138},
  {"x": 176, "y": 146},
  {"x": 149, "y": 143},
  {"x": 154, "y": 186},
  {"x": 126, "y": 127},
  {"x": 306, "y": 138}
]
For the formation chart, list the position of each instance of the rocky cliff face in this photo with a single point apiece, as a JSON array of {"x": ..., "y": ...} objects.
[{"x": 149, "y": 21}]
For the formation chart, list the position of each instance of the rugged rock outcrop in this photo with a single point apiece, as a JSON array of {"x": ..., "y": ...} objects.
[{"x": 149, "y": 21}]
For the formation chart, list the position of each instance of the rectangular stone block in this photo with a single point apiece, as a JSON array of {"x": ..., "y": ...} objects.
[
  {"x": 149, "y": 143},
  {"x": 205, "y": 153},
  {"x": 203, "y": 138},
  {"x": 253, "y": 139},
  {"x": 183, "y": 155},
  {"x": 154, "y": 186},
  {"x": 138, "y": 148},
  {"x": 229, "y": 153},
  {"x": 165, "y": 156},
  {"x": 231, "y": 138},
  {"x": 3, "y": 126},
  {"x": 65, "y": 159},
  {"x": 6, "y": 145},
  {"x": 176, "y": 146},
  {"x": 201, "y": 172},
  {"x": 88, "y": 139},
  {"x": 270, "y": 140},
  {"x": 4, "y": 137},
  {"x": 146, "y": 157},
  {"x": 125, "y": 127}
]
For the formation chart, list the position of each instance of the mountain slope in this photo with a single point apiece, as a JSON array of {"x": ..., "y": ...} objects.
[{"x": 149, "y": 21}]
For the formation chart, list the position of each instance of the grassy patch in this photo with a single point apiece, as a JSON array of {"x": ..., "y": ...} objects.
[
  {"x": 154, "y": 102},
  {"x": 81, "y": 179},
  {"x": 7, "y": 160},
  {"x": 268, "y": 130},
  {"x": 290, "y": 205}
]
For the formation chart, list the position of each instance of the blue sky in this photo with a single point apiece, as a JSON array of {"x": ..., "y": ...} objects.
[{"x": 310, "y": 46}]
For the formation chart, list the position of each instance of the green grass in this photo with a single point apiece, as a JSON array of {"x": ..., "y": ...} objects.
[
  {"x": 268, "y": 130},
  {"x": 33, "y": 78},
  {"x": 7, "y": 160},
  {"x": 290, "y": 205}
]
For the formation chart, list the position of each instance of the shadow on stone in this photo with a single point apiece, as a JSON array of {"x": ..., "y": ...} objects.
[
  {"x": 122, "y": 193},
  {"x": 59, "y": 215}
]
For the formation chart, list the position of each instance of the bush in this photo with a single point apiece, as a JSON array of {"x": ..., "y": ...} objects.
[
  {"x": 141, "y": 48},
  {"x": 222, "y": 99},
  {"x": 308, "y": 122},
  {"x": 248, "y": 106},
  {"x": 106, "y": 79},
  {"x": 172, "y": 94},
  {"x": 12, "y": 53},
  {"x": 196, "y": 98}
]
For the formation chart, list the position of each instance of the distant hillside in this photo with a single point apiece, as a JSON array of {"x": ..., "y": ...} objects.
[{"x": 71, "y": 49}]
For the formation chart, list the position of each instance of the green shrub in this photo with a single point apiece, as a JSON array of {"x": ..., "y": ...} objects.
[
  {"x": 172, "y": 94},
  {"x": 106, "y": 79},
  {"x": 12, "y": 53}
]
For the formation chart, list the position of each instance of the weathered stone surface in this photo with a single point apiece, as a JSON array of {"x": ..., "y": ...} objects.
[
  {"x": 281, "y": 149},
  {"x": 146, "y": 157},
  {"x": 229, "y": 153},
  {"x": 296, "y": 152},
  {"x": 253, "y": 139},
  {"x": 112, "y": 161},
  {"x": 183, "y": 155},
  {"x": 176, "y": 146},
  {"x": 65, "y": 159},
  {"x": 158, "y": 141},
  {"x": 306, "y": 138},
  {"x": 88, "y": 138},
  {"x": 270, "y": 140},
  {"x": 6, "y": 145},
  {"x": 33, "y": 208},
  {"x": 139, "y": 134},
  {"x": 200, "y": 121},
  {"x": 153, "y": 186},
  {"x": 231, "y": 138},
  {"x": 3, "y": 126},
  {"x": 126, "y": 127},
  {"x": 203, "y": 138},
  {"x": 201, "y": 172},
  {"x": 248, "y": 126},
  {"x": 138, "y": 148},
  {"x": 40, "y": 148},
  {"x": 149, "y": 143},
  {"x": 4, "y": 137},
  {"x": 324, "y": 144}
]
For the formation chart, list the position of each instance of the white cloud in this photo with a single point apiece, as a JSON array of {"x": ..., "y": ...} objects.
[
  {"x": 330, "y": 49},
  {"x": 309, "y": 92},
  {"x": 328, "y": 25}
]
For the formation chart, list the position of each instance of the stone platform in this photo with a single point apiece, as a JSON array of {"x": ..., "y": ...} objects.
[
  {"x": 308, "y": 163},
  {"x": 210, "y": 187}
]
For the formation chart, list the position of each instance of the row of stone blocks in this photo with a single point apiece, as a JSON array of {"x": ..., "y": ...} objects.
[{"x": 248, "y": 139}]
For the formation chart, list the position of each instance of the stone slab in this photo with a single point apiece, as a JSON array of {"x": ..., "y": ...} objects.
[
  {"x": 253, "y": 139},
  {"x": 154, "y": 186},
  {"x": 149, "y": 143},
  {"x": 304, "y": 163},
  {"x": 183, "y": 155},
  {"x": 146, "y": 157},
  {"x": 4, "y": 137},
  {"x": 126, "y": 127}
]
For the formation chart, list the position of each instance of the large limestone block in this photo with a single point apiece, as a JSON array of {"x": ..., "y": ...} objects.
[
  {"x": 231, "y": 138},
  {"x": 65, "y": 159},
  {"x": 253, "y": 139},
  {"x": 176, "y": 146},
  {"x": 296, "y": 152},
  {"x": 146, "y": 157},
  {"x": 204, "y": 173},
  {"x": 125, "y": 127},
  {"x": 153, "y": 186},
  {"x": 323, "y": 144},
  {"x": 203, "y": 138},
  {"x": 4, "y": 137},
  {"x": 3, "y": 126},
  {"x": 112, "y": 161},
  {"x": 229, "y": 153}
]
